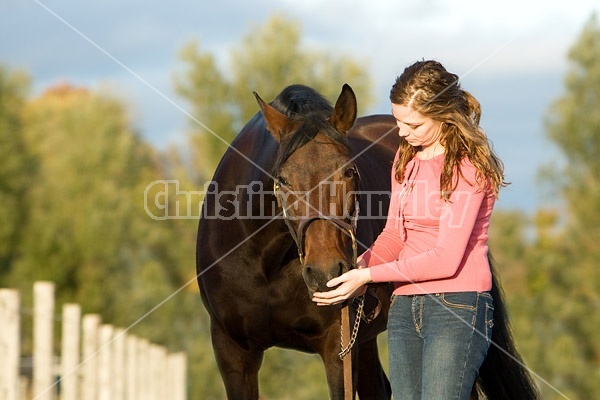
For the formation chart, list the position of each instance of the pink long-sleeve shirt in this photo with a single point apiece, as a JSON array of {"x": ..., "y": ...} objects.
[{"x": 430, "y": 245}]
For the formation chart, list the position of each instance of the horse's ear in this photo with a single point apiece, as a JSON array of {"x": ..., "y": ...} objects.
[
  {"x": 277, "y": 123},
  {"x": 344, "y": 112}
]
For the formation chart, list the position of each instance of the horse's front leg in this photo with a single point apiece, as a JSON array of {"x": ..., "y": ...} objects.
[
  {"x": 238, "y": 365},
  {"x": 334, "y": 369}
]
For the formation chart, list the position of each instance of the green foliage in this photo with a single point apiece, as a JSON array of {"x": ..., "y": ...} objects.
[
  {"x": 551, "y": 275},
  {"x": 574, "y": 125},
  {"x": 78, "y": 233},
  {"x": 208, "y": 92},
  {"x": 17, "y": 166},
  {"x": 74, "y": 213},
  {"x": 268, "y": 59},
  {"x": 288, "y": 374}
]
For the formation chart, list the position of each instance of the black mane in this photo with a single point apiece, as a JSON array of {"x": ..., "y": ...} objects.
[{"x": 304, "y": 104}]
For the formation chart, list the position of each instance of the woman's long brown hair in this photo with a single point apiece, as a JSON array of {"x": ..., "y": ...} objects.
[{"x": 428, "y": 88}]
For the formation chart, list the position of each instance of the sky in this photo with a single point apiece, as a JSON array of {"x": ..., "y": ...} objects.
[{"x": 512, "y": 56}]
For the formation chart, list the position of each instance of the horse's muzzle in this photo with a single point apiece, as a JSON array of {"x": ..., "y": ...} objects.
[{"x": 316, "y": 277}]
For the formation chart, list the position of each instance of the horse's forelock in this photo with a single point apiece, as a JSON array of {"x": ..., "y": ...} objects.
[
  {"x": 312, "y": 125},
  {"x": 297, "y": 101}
]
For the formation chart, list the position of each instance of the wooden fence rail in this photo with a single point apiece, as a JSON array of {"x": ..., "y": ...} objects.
[{"x": 97, "y": 361}]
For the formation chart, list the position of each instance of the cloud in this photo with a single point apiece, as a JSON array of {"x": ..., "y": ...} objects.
[{"x": 514, "y": 35}]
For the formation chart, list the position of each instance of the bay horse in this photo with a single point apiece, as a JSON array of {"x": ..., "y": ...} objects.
[{"x": 278, "y": 221}]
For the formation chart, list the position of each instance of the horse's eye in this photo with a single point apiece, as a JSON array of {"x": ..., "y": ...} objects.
[
  {"x": 350, "y": 172},
  {"x": 282, "y": 181}
]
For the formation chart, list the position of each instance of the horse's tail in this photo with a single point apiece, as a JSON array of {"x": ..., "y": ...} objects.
[{"x": 503, "y": 375}]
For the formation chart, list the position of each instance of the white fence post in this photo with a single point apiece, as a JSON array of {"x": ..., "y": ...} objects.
[
  {"x": 9, "y": 344},
  {"x": 105, "y": 362},
  {"x": 131, "y": 374},
  {"x": 98, "y": 362},
  {"x": 178, "y": 375},
  {"x": 70, "y": 351},
  {"x": 144, "y": 367},
  {"x": 159, "y": 361},
  {"x": 91, "y": 323},
  {"x": 43, "y": 329},
  {"x": 118, "y": 370}
]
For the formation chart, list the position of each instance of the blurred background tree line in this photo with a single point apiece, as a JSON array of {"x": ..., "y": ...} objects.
[{"x": 73, "y": 173}]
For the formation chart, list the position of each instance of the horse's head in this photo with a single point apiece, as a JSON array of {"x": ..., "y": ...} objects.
[{"x": 316, "y": 183}]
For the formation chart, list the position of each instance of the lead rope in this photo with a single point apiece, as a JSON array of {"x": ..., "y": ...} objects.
[
  {"x": 359, "y": 312},
  {"x": 347, "y": 361},
  {"x": 346, "y": 351}
]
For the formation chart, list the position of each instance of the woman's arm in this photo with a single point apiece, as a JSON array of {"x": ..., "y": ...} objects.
[{"x": 457, "y": 221}]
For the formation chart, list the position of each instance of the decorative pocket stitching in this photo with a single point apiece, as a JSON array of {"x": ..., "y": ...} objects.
[{"x": 455, "y": 305}]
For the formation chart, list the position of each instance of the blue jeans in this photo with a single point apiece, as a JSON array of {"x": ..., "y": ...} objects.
[{"x": 437, "y": 342}]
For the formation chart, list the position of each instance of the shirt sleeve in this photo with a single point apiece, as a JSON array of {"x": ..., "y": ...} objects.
[{"x": 457, "y": 219}]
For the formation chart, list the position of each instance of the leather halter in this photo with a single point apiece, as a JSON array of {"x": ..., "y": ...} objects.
[
  {"x": 350, "y": 229},
  {"x": 298, "y": 236}
]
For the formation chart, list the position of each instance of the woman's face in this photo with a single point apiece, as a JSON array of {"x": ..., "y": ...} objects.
[{"x": 415, "y": 128}]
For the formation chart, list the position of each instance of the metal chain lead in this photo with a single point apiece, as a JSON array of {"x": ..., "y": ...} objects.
[{"x": 359, "y": 311}]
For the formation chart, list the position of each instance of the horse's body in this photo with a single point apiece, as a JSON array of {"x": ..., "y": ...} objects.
[{"x": 249, "y": 272}]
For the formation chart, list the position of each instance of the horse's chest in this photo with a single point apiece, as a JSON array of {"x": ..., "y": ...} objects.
[{"x": 286, "y": 323}]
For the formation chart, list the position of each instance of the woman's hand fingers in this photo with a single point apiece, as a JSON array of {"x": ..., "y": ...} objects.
[
  {"x": 349, "y": 283},
  {"x": 336, "y": 281}
]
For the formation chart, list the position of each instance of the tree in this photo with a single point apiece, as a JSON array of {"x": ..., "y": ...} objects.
[
  {"x": 550, "y": 259},
  {"x": 16, "y": 168},
  {"x": 573, "y": 124},
  {"x": 508, "y": 246},
  {"x": 268, "y": 59},
  {"x": 87, "y": 163},
  {"x": 568, "y": 278},
  {"x": 87, "y": 229}
]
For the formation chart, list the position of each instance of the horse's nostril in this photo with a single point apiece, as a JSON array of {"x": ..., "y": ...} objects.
[
  {"x": 311, "y": 275},
  {"x": 342, "y": 268}
]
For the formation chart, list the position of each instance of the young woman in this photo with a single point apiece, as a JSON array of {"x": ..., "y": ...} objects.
[{"x": 445, "y": 181}]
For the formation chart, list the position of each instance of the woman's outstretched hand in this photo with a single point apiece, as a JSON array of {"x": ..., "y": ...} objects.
[{"x": 351, "y": 284}]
